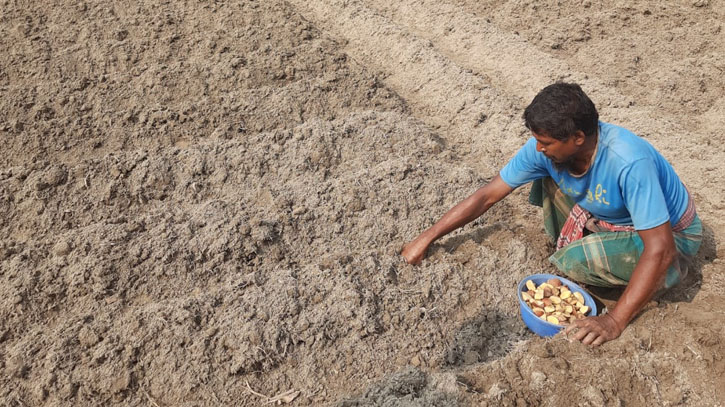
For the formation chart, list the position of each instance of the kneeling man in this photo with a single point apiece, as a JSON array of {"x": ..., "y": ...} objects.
[{"x": 618, "y": 211}]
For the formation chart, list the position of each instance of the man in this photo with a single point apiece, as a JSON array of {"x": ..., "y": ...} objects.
[{"x": 617, "y": 209}]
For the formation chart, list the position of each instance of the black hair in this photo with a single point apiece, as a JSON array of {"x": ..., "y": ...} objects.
[{"x": 559, "y": 110}]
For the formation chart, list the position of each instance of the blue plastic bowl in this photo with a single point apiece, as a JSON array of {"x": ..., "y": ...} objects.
[{"x": 538, "y": 325}]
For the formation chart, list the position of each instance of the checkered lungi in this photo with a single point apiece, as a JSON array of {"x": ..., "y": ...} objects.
[{"x": 607, "y": 258}]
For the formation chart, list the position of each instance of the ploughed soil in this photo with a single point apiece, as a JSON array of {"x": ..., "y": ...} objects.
[{"x": 203, "y": 202}]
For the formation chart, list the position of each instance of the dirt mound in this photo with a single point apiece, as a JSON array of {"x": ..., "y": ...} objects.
[{"x": 203, "y": 202}]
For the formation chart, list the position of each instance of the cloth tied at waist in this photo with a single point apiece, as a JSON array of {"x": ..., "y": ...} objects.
[{"x": 580, "y": 219}]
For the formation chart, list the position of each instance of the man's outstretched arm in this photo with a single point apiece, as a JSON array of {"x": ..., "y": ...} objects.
[{"x": 466, "y": 211}]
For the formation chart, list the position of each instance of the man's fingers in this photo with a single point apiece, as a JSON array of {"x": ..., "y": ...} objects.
[
  {"x": 412, "y": 261},
  {"x": 588, "y": 331},
  {"x": 591, "y": 336},
  {"x": 581, "y": 333},
  {"x": 405, "y": 256},
  {"x": 599, "y": 341}
]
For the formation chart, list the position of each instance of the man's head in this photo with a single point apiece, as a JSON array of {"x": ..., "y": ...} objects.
[
  {"x": 560, "y": 110},
  {"x": 562, "y": 119}
]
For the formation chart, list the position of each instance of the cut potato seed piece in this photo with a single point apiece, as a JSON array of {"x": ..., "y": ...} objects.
[
  {"x": 554, "y": 282},
  {"x": 552, "y": 319},
  {"x": 554, "y": 302}
]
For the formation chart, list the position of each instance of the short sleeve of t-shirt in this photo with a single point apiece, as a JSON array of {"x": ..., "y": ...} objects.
[
  {"x": 526, "y": 166},
  {"x": 643, "y": 195}
]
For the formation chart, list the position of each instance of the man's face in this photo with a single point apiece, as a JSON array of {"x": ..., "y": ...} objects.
[{"x": 558, "y": 151}]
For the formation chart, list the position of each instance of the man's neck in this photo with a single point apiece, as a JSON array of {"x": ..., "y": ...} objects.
[{"x": 585, "y": 157}]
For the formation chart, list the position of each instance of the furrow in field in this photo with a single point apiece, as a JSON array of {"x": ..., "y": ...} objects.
[
  {"x": 457, "y": 71},
  {"x": 461, "y": 104}
]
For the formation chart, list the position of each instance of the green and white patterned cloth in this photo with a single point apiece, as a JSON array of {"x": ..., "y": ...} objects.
[{"x": 606, "y": 259}]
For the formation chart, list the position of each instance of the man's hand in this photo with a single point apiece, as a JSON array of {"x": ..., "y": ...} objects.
[
  {"x": 594, "y": 330},
  {"x": 414, "y": 251},
  {"x": 461, "y": 214}
]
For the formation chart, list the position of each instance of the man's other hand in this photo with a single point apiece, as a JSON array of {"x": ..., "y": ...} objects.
[
  {"x": 594, "y": 330},
  {"x": 414, "y": 251}
]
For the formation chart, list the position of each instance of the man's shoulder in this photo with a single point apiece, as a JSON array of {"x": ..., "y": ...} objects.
[
  {"x": 622, "y": 144},
  {"x": 611, "y": 133}
]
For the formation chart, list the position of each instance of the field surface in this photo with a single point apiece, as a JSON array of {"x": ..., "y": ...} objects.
[{"x": 203, "y": 202}]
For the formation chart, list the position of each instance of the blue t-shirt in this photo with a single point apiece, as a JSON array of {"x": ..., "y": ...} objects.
[{"x": 629, "y": 183}]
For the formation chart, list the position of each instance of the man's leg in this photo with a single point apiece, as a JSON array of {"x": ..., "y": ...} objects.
[
  {"x": 556, "y": 205},
  {"x": 608, "y": 259},
  {"x": 688, "y": 243},
  {"x": 605, "y": 259},
  {"x": 585, "y": 260}
]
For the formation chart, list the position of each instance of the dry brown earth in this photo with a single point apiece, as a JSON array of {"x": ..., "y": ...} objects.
[{"x": 203, "y": 201}]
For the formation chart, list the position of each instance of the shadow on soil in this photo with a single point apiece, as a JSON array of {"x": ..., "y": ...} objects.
[
  {"x": 478, "y": 235},
  {"x": 488, "y": 337}
]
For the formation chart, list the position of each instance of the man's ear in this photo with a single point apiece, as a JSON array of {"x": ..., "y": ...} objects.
[{"x": 579, "y": 138}]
